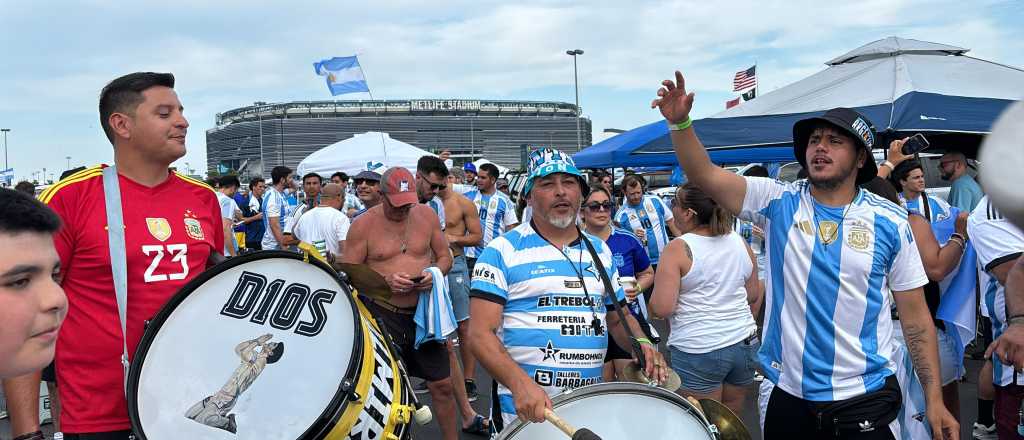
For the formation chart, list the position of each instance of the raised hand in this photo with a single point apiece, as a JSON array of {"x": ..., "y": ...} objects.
[{"x": 673, "y": 101}]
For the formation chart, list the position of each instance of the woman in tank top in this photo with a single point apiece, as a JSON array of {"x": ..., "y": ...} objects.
[{"x": 704, "y": 286}]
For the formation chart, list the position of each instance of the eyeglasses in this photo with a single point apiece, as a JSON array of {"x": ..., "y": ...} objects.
[
  {"x": 433, "y": 186},
  {"x": 366, "y": 181},
  {"x": 597, "y": 207}
]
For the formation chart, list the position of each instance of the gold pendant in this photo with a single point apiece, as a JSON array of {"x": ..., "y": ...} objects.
[{"x": 828, "y": 231}]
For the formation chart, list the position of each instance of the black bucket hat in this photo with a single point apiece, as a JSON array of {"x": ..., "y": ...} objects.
[{"x": 850, "y": 122}]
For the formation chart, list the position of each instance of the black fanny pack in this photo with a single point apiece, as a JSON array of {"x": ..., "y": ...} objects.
[{"x": 864, "y": 413}]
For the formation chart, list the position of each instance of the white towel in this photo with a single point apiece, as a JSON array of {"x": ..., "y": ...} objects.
[{"x": 434, "y": 317}]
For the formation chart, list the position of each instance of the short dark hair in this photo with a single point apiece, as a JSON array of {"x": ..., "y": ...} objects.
[
  {"x": 492, "y": 170},
  {"x": 213, "y": 181},
  {"x": 311, "y": 175},
  {"x": 230, "y": 181},
  {"x": 20, "y": 212},
  {"x": 255, "y": 181},
  {"x": 70, "y": 172},
  {"x": 431, "y": 164},
  {"x": 275, "y": 355},
  {"x": 26, "y": 187},
  {"x": 124, "y": 94},
  {"x": 903, "y": 170},
  {"x": 756, "y": 171},
  {"x": 340, "y": 175},
  {"x": 279, "y": 173},
  {"x": 598, "y": 174},
  {"x": 632, "y": 180}
]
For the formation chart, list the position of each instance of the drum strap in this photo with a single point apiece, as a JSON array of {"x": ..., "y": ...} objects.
[
  {"x": 637, "y": 351},
  {"x": 118, "y": 265}
]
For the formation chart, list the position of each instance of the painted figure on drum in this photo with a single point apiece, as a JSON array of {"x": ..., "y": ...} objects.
[{"x": 256, "y": 354}]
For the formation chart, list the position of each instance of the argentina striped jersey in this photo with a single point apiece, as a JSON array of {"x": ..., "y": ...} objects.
[
  {"x": 996, "y": 241},
  {"x": 937, "y": 207},
  {"x": 828, "y": 334},
  {"x": 546, "y": 323},
  {"x": 651, "y": 215},
  {"x": 274, "y": 205},
  {"x": 496, "y": 213}
]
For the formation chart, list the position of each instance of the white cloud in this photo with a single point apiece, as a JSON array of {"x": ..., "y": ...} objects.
[{"x": 229, "y": 54}]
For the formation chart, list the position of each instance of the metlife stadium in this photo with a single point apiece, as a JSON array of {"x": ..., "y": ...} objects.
[{"x": 285, "y": 133}]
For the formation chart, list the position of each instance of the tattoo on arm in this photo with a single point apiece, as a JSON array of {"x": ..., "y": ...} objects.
[
  {"x": 915, "y": 337},
  {"x": 686, "y": 247}
]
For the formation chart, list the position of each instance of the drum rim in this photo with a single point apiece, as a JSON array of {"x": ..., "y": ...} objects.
[
  {"x": 331, "y": 413},
  {"x": 613, "y": 388}
]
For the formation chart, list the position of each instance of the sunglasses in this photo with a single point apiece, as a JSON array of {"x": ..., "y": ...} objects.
[
  {"x": 366, "y": 181},
  {"x": 434, "y": 186},
  {"x": 597, "y": 207}
]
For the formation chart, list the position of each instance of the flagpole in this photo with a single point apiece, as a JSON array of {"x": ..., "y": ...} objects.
[
  {"x": 376, "y": 115},
  {"x": 756, "y": 91}
]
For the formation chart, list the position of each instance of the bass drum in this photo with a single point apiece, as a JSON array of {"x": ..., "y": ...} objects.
[
  {"x": 620, "y": 411},
  {"x": 266, "y": 346}
]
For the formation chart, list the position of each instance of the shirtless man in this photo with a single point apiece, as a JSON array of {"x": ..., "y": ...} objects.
[
  {"x": 462, "y": 228},
  {"x": 399, "y": 238}
]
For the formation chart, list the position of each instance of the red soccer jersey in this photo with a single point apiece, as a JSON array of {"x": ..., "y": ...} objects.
[{"x": 170, "y": 232}]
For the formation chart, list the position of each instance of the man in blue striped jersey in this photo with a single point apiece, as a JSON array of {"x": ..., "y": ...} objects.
[
  {"x": 497, "y": 212},
  {"x": 539, "y": 305},
  {"x": 834, "y": 252},
  {"x": 1000, "y": 244},
  {"x": 646, "y": 216}
]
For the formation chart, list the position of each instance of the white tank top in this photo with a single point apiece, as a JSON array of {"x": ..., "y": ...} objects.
[{"x": 712, "y": 310}]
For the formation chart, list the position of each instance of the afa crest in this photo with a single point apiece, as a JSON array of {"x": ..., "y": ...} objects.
[
  {"x": 859, "y": 238},
  {"x": 193, "y": 228}
]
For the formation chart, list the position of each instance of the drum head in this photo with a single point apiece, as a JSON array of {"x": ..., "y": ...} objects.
[
  {"x": 619, "y": 411},
  {"x": 256, "y": 347}
]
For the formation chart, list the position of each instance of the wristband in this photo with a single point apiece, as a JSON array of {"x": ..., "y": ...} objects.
[
  {"x": 959, "y": 235},
  {"x": 958, "y": 243},
  {"x": 1016, "y": 319},
  {"x": 648, "y": 341},
  {"x": 889, "y": 165},
  {"x": 680, "y": 126}
]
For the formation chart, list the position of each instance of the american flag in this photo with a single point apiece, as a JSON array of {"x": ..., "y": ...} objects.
[{"x": 745, "y": 79}]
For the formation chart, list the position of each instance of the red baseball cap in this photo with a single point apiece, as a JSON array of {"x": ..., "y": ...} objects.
[{"x": 399, "y": 187}]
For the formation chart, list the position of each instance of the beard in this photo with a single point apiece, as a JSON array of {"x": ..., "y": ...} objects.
[
  {"x": 562, "y": 222},
  {"x": 946, "y": 176},
  {"x": 831, "y": 183}
]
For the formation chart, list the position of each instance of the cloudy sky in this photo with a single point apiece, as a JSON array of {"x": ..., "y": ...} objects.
[{"x": 226, "y": 54}]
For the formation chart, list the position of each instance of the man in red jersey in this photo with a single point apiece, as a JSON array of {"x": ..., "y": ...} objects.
[{"x": 172, "y": 228}]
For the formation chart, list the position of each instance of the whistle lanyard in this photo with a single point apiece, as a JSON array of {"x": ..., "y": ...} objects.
[{"x": 595, "y": 322}]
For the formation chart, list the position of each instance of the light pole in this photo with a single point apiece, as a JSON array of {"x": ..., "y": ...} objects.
[
  {"x": 259, "y": 117},
  {"x": 576, "y": 80},
  {"x": 5, "y": 130},
  {"x": 69, "y": 162}
]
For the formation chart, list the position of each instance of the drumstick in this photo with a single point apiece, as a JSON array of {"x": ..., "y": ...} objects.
[{"x": 569, "y": 430}]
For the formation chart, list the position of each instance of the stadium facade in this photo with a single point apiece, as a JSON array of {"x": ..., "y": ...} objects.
[{"x": 285, "y": 133}]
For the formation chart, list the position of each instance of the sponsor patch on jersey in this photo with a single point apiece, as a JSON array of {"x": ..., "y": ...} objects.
[
  {"x": 159, "y": 228},
  {"x": 573, "y": 284},
  {"x": 805, "y": 227}
]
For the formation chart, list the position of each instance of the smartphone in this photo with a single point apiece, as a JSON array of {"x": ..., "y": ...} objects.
[
  {"x": 417, "y": 279},
  {"x": 915, "y": 144}
]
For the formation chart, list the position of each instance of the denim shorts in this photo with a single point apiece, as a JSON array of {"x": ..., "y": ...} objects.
[
  {"x": 458, "y": 288},
  {"x": 706, "y": 372}
]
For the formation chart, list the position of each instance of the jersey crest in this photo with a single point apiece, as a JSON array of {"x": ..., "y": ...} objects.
[{"x": 159, "y": 228}]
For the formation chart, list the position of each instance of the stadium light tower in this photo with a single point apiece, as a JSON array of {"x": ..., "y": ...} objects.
[
  {"x": 259, "y": 116},
  {"x": 5, "y": 130},
  {"x": 576, "y": 79}
]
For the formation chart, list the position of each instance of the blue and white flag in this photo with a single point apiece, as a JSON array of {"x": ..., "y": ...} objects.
[
  {"x": 434, "y": 317},
  {"x": 343, "y": 75},
  {"x": 956, "y": 306}
]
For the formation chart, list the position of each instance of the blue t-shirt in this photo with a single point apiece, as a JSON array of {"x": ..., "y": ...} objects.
[
  {"x": 628, "y": 253},
  {"x": 965, "y": 193},
  {"x": 243, "y": 204}
]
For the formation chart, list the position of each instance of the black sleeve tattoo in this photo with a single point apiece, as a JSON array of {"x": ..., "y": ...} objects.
[
  {"x": 686, "y": 248},
  {"x": 914, "y": 336}
]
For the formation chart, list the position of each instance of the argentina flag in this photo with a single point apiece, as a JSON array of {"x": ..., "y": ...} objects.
[{"x": 344, "y": 75}]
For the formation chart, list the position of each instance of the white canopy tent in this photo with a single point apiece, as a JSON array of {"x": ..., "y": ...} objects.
[
  {"x": 501, "y": 170},
  {"x": 361, "y": 152}
]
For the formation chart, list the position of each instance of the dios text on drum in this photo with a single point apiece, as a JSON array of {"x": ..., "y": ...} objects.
[{"x": 280, "y": 304}]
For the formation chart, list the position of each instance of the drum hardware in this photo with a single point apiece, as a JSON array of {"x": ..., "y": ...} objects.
[
  {"x": 633, "y": 373},
  {"x": 421, "y": 413},
  {"x": 367, "y": 281},
  {"x": 729, "y": 426},
  {"x": 575, "y": 434}
]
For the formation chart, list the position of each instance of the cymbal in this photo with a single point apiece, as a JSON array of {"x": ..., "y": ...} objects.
[
  {"x": 366, "y": 281},
  {"x": 632, "y": 373},
  {"x": 729, "y": 426}
]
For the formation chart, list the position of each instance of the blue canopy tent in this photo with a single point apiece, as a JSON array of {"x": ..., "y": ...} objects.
[{"x": 903, "y": 86}]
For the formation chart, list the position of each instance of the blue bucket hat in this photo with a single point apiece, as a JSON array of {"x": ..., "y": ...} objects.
[{"x": 547, "y": 161}]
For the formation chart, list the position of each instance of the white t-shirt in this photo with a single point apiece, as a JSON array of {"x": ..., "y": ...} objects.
[
  {"x": 323, "y": 227},
  {"x": 228, "y": 206},
  {"x": 274, "y": 205},
  {"x": 711, "y": 311},
  {"x": 996, "y": 241}
]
